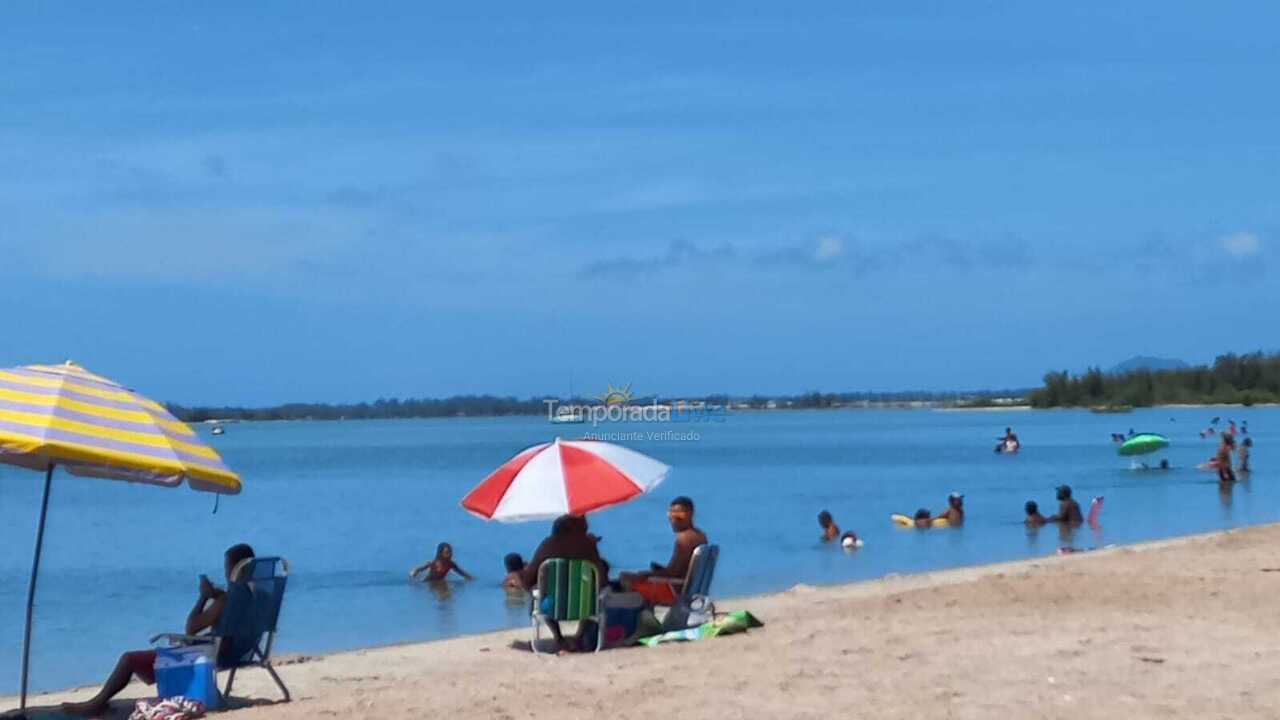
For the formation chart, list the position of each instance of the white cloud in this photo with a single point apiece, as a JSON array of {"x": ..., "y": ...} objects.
[
  {"x": 829, "y": 248},
  {"x": 1241, "y": 244}
]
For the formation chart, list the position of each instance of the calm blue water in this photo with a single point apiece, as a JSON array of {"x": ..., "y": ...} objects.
[{"x": 354, "y": 505}]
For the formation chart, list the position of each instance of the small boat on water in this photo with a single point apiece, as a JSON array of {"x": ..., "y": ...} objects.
[
  {"x": 1110, "y": 409},
  {"x": 218, "y": 430},
  {"x": 568, "y": 416}
]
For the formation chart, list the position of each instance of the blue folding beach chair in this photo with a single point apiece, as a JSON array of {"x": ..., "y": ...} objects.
[
  {"x": 695, "y": 591},
  {"x": 568, "y": 590},
  {"x": 246, "y": 629}
]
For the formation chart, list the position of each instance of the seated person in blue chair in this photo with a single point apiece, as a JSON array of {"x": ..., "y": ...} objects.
[
  {"x": 141, "y": 663},
  {"x": 660, "y": 585}
]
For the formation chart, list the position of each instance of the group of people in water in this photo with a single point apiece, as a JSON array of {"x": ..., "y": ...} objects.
[
  {"x": 1212, "y": 428},
  {"x": 951, "y": 516},
  {"x": 571, "y": 539},
  {"x": 1221, "y": 460},
  {"x": 1068, "y": 514}
]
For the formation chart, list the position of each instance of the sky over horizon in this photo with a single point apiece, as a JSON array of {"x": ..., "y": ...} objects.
[{"x": 243, "y": 204}]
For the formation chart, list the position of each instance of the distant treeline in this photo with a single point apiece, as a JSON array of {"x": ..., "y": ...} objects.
[
  {"x": 492, "y": 405},
  {"x": 1246, "y": 379},
  {"x": 460, "y": 405},
  {"x": 816, "y": 399}
]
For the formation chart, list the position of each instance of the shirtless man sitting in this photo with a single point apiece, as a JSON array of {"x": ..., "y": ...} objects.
[{"x": 661, "y": 583}]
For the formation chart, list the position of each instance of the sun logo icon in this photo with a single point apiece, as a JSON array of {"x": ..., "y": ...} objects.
[{"x": 617, "y": 395}]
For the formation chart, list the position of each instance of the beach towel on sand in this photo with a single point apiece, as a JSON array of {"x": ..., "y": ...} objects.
[
  {"x": 174, "y": 708},
  {"x": 727, "y": 624}
]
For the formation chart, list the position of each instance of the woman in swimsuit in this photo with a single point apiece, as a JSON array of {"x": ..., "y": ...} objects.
[{"x": 1223, "y": 460}]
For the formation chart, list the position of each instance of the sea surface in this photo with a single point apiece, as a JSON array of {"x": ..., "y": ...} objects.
[{"x": 354, "y": 505}]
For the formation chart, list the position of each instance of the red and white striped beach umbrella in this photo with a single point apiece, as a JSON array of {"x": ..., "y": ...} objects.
[{"x": 564, "y": 477}]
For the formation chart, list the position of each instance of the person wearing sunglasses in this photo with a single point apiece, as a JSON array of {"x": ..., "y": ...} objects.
[{"x": 660, "y": 583}]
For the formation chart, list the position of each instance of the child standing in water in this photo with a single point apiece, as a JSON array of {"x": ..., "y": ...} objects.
[
  {"x": 1034, "y": 518},
  {"x": 515, "y": 569},
  {"x": 1245, "y": 447},
  {"x": 440, "y": 566}
]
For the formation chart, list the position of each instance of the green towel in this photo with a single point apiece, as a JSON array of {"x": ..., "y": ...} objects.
[{"x": 727, "y": 624}]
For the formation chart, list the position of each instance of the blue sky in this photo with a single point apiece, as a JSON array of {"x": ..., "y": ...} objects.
[{"x": 256, "y": 204}]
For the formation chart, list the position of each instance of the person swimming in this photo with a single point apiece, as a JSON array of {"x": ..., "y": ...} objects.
[
  {"x": 1009, "y": 443},
  {"x": 439, "y": 566},
  {"x": 850, "y": 540},
  {"x": 1034, "y": 518},
  {"x": 830, "y": 530},
  {"x": 922, "y": 520}
]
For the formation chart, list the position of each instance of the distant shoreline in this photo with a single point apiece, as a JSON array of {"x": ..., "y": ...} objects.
[{"x": 920, "y": 405}]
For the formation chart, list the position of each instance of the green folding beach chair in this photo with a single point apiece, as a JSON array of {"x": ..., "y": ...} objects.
[{"x": 568, "y": 590}]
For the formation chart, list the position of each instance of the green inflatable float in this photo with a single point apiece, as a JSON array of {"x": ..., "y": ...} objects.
[{"x": 1144, "y": 443}]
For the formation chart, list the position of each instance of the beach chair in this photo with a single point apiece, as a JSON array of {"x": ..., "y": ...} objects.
[
  {"x": 568, "y": 590},
  {"x": 246, "y": 629},
  {"x": 695, "y": 592}
]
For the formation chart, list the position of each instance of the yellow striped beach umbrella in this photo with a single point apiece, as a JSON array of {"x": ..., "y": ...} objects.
[{"x": 64, "y": 415}]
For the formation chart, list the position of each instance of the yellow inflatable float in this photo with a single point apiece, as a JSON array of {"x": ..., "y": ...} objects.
[{"x": 904, "y": 521}]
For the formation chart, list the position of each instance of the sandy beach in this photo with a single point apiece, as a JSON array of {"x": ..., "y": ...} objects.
[{"x": 1183, "y": 628}]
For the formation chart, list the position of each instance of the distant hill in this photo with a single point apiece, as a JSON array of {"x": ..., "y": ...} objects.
[{"x": 1146, "y": 362}]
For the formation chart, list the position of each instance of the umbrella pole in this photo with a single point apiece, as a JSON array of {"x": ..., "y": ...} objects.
[{"x": 31, "y": 587}]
